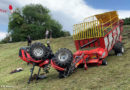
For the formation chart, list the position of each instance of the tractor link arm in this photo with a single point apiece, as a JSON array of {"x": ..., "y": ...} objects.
[
  {"x": 77, "y": 60},
  {"x": 73, "y": 65}
]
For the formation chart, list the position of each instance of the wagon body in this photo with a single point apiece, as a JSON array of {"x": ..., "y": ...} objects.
[{"x": 102, "y": 30}]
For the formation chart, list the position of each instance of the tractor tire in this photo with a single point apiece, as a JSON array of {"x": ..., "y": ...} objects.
[
  {"x": 38, "y": 51},
  {"x": 118, "y": 48},
  {"x": 63, "y": 57},
  {"x": 104, "y": 62}
]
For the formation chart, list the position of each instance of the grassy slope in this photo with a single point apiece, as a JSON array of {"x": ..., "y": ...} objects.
[{"x": 116, "y": 75}]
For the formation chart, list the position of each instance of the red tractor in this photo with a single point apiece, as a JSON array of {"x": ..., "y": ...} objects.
[{"x": 93, "y": 38}]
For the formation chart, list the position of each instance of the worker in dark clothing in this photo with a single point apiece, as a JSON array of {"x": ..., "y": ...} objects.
[{"x": 29, "y": 40}]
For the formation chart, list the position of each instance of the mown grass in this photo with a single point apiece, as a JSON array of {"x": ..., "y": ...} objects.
[{"x": 114, "y": 76}]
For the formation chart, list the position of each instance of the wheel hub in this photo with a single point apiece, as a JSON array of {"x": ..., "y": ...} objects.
[
  {"x": 63, "y": 57},
  {"x": 38, "y": 52}
]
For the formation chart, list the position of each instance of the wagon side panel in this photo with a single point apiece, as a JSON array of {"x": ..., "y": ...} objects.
[{"x": 112, "y": 37}]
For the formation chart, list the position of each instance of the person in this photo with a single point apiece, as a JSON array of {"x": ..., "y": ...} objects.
[
  {"x": 10, "y": 39},
  {"x": 29, "y": 40},
  {"x": 47, "y": 34},
  {"x": 50, "y": 34}
]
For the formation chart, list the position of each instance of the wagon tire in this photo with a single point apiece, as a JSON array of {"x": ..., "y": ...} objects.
[
  {"x": 118, "y": 48},
  {"x": 38, "y": 51},
  {"x": 104, "y": 62},
  {"x": 63, "y": 57}
]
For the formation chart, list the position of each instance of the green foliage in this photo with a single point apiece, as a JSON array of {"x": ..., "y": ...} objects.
[
  {"x": 127, "y": 21},
  {"x": 33, "y": 20}
]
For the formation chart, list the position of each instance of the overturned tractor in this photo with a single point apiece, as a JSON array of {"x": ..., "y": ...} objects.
[{"x": 93, "y": 39}]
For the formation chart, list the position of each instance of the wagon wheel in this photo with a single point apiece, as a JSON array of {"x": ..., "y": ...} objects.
[
  {"x": 118, "y": 48},
  {"x": 104, "y": 62}
]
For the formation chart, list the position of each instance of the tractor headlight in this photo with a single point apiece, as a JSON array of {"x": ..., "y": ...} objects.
[{"x": 103, "y": 55}]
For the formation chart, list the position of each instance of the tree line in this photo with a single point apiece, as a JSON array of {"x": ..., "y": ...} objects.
[
  {"x": 33, "y": 20},
  {"x": 126, "y": 21}
]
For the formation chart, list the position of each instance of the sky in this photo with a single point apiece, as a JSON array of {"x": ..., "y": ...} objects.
[{"x": 67, "y": 12}]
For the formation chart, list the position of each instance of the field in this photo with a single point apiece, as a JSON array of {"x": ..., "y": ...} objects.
[{"x": 114, "y": 76}]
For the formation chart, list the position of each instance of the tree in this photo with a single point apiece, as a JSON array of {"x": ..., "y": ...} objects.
[
  {"x": 33, "y": 20},
  {"x": 126, "y": 21}
]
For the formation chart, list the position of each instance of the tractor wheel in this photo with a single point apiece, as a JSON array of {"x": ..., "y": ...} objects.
[
  {"x": 63, "y": 57},
  {"x": 38, "y": 51},
  {"x": 104, "y": 62},
  {"x": 118, "y": 48}
]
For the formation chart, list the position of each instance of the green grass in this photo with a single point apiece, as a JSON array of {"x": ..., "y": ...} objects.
[{"x": 114, "y": 76}]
